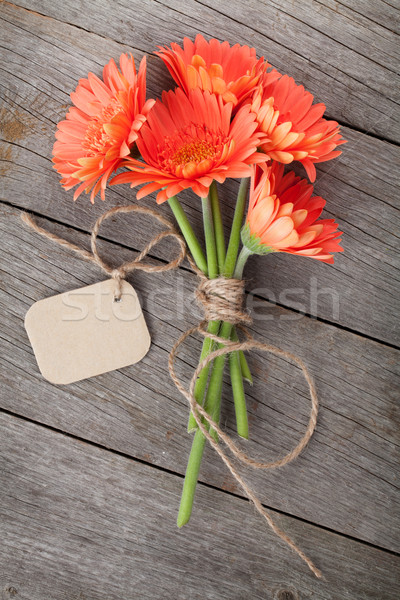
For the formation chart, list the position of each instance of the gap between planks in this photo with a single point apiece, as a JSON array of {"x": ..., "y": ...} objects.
[
  {"x": 223, "y": 14},
  {"x": 201, "y": 483}
]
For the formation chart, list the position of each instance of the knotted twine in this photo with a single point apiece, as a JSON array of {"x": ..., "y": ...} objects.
[
  {"x": 119, "y": 273},
  {"x": 222, "y": 300}
]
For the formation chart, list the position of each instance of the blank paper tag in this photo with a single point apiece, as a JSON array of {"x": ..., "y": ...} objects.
[{"x": 85, "y": 332}]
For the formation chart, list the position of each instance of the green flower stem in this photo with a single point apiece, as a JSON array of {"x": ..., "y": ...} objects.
[
  {"x": 218, "y": 227},
  {"x": 191, "y": 476},
  {"x": 239, "y": 398},
  {"x": 213, "y": 326},
  {"x": 213, "y": 397},
  {"x": 192, "y": 472},
  {"x": 211, "y": 248},
  {"x": 247, "y": 376},
  {"x": 196, "y": 453},
  {"x": 212, "y": 403},
  {"x": 238, "y": 366},
  {"x": 201, "y": 262},
  {"x": 241, "y": 261},
  {"x": 227, "y": 269},
  {"x": 231, "y": 257},
  {"x": 234, "y": 240},
  {"x": 201, "y": 383},
  {"x": 242, "y": 426},
  {"x": 188, "y": 234}
]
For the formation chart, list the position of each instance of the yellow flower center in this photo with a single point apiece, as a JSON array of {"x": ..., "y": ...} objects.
[
  {"x": 192, "y": 151},
  {"x": 195, "y": 151}
]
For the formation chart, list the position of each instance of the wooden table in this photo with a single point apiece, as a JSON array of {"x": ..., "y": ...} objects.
[{"x": 92, "y": 472}]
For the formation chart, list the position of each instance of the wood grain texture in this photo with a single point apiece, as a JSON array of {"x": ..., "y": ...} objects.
[
  {"x": 81, "y": 523},
  {"x": 96, "y": 521},
  {"x": 374, "y": 14},
  {"x": 324, "y": 47},
  {"x": 138, "y": 410},
  {"x": 361, "y": 187}
]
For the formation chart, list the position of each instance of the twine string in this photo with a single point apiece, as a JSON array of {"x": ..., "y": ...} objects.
[
  {"x": 222, "y": 303},
  {"x": 221, "y": 300},
  {"x": 119, "y": 273}
]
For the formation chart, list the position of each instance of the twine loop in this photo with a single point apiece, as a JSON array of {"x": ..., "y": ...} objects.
[
  {"x": 201, "y": 416},
  {"x": 118, "y": 274}
]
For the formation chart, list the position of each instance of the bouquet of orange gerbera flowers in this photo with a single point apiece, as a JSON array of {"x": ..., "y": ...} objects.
[{"x": 231, "y": 116}]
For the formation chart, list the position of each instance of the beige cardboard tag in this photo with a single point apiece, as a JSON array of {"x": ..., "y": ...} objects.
[{"x": 85, "y": 332}]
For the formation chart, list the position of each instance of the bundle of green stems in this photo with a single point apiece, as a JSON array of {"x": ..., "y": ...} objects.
[{"x": 219, "y": 261}]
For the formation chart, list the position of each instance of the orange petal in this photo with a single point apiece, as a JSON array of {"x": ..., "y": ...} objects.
[
  {"x": 216, "y": 70},
  {"x": 279, "y": 229},
  {"x": 299, "y": 217},
  {"x": 198, "y": 61},
  {"x": 285, "y": 210}
]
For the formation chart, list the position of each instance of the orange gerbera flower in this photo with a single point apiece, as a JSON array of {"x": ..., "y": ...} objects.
[
  {"x": 188, "y": 141},
  {"x": 283, "y": 217},
  {"x": 295, "y": 127},
  {"x": 100, "y": 129},
  {"x": 229, "y": 71}
]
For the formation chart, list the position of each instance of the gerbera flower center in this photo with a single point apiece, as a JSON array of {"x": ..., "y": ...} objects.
[
  {"x": 97, "y": 140},
  {"x": 191, "y": 149},
  {"x": 195, "y": 151}
]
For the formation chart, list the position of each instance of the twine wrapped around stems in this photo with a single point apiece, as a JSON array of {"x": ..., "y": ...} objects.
[{"x": 222, "y": 300}]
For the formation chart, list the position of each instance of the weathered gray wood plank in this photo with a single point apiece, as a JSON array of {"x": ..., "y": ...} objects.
[
  {"x": 380, "y": 12},
  {"x": 72, "y": 510},
  {"x": 81, "y": 523},
  {"x": 137, "y": 410},
  {"x": 357, "y": 26},
  {"x": 314, "y": 41},
  {"x": 360, "y": 186}
]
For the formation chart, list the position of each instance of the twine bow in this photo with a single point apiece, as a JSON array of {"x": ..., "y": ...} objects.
[
  {"x": 119, "y": 273},
  {"x": 222, "y": 300}
]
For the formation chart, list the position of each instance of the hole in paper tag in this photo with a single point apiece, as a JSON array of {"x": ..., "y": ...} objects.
[{"x": 84, "y": 332}]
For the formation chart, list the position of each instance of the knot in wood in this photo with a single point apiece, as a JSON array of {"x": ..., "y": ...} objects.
[{"x": 222, "y": 300}]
